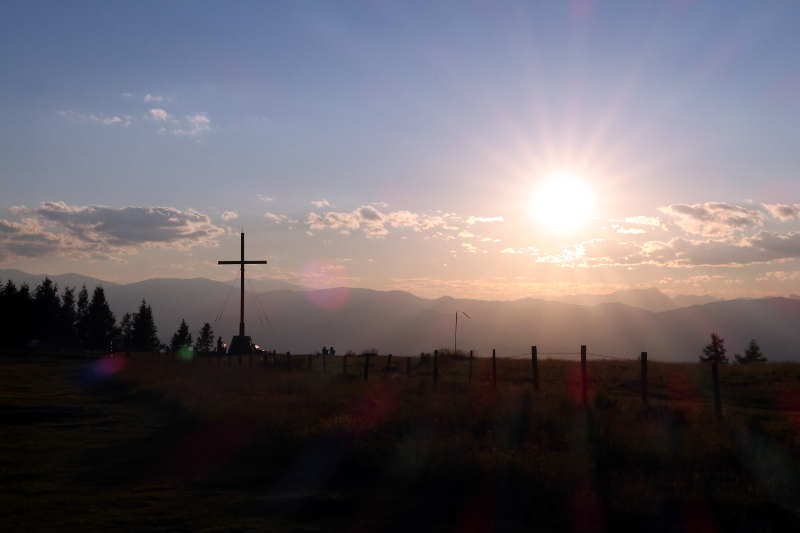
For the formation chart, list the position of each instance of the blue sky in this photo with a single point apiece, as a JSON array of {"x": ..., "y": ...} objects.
[{"x": 454, "y": 109}]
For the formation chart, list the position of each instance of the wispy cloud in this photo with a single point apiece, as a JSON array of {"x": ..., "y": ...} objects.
[
  {"x": 158, "y": 114},
  {"x": 98, "y": 118},
  {"x": 265, "y": 198},
  {"x": 321, "y": 203},
  {"x": 230, "y": 215},
  {"x": 714, "y": 219},
  {"x": 153, "y": 98},
  {"x": 784, "y": 212}
]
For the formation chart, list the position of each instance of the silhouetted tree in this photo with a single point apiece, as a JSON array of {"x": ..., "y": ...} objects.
[
  {"x": 126, "y": 332},
  {"x": 205, "y": 340},
  {"x": 144, "y": 334},
  {"x": 67, "y": 319},
  {"x": 82, "y": 317},
  {"x": 181, "y": 338},
  {"x": 752, "y": 354},
  {"x": 100, "y": 322},
  {"x": 220, "y": 346},
  {"x": 46, "y": 308},
  {"x": 715, "y": 351},
  {"x": 15, "y": 314}
]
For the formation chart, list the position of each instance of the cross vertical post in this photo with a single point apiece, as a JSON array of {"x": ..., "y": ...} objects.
[{"x": 241, "y": 343}]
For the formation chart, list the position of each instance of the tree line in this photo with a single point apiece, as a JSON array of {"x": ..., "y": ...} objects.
[{"x": 48, "y": 319}]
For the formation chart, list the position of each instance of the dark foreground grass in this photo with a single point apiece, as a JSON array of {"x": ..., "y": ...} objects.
[{"x": 154, "y": 444}]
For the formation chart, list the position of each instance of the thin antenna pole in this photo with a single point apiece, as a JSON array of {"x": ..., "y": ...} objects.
[{"x": 455, "y": 336}]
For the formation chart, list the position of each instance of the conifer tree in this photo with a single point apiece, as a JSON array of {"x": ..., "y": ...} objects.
[
  {"x": 82, "y": 317},
  {"x": 715, "y": 351},
  {"x": 47, "y": 308},
  {"x": 126, "y": 332},
  {"x": 752, "y": 354},
  {"x": 181, "y": 338},
  {"x": 205, "y": 340},
  {"x": 144, "y": 336},
  {"x": 100, "y": 322},
  {"x": 67, "y": 318},
  {"x": 220, "y": 346}
]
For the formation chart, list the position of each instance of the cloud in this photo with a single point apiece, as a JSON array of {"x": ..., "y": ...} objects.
[
  {"x": 275, "y": 218},
  {"x": 376, "y": 224},
  {"x": 627, "y": 231},
  {"x": 264, "y": 198},
  {"x": 714, "y": 219},
  {"x": 158, "y": 114},
  {"x": 153, "y": 98},
  {"x": 643, "y": 221},
  {"x": 98, "y": 118},
  {"x": 321, "y": 203},
  {"x": 475, "y": 220},
  {"x": 784, "y": 212},
  {"x": 108, "y": 227},
  {"x": 26, "y": 239},
  {"x": 229, "y": 215},
  {"x": 194, "y": 125}
]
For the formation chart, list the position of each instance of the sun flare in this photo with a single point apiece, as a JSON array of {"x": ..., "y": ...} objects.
[{"x": 563, "y": 202}]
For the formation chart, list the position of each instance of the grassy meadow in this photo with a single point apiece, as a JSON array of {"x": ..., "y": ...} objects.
[{"x": 156, "y": 443}]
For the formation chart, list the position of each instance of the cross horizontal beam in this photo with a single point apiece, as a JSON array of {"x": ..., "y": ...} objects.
[{"x": 241, "y": 262}]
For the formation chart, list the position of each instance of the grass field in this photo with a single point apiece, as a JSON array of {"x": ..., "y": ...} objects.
[{"x": 153, "y": 443}]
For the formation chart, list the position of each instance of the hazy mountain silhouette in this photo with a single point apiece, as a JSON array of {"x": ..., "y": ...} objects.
[
  {"x": 401, "y": 323},
  {"x": 650, "y": 299}
]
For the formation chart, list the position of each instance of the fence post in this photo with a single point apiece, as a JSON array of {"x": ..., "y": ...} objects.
[
  {"x": 715, "y": 379},
  {"x": 644, "y": 378},
  {"x": 366, "y": 366},
  {"x": 583, "y": 374},
  {"x": 310, "y": 361},
  {"x": 535, "y": 367},
  {"x": 408, "y": 366},
  {"x": 435, "y": 367},
  {"x": 289, "y": 360},
  {"x": 388, "y": 363},
  {"x": 494, "y": 368},
  {"x": 469, "y": 379}
]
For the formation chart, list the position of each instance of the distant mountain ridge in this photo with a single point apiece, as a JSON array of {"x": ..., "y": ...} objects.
[
  {"x": 650, "y": 299},
  {"x": 401, "y": 323}
]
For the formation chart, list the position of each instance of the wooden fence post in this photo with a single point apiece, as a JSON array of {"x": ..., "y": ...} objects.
[
  {"x": 535, "y": 367},
  {"x": 715, "y": 379},
  {"x": 289, "y": 360},
  {"x": 583, "y": 374},
  {"x": 388, "y": 363},
  {"x": 494, "y": 368},
  {"x": 435, "y": 367},
  {"x": 469, "y": 378},
  {"x": 366, "y": 366},
  {"x": 644, "y": 378},
  {"x": 408, "y": 366}
]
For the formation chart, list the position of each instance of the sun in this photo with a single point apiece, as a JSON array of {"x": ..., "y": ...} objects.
[{"x": 563, "y": 202}]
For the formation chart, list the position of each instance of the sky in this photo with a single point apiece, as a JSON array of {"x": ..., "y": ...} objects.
[{"x": 480, "y": 149}]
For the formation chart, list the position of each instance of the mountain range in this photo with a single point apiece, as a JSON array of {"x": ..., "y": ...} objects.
[{"x": 285, "y": 317}]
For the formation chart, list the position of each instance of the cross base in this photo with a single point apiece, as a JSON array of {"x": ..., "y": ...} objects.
[{"x": 240, "y": 345}]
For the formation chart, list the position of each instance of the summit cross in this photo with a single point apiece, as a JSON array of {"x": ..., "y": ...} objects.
[{"x": 241, "y": 343}]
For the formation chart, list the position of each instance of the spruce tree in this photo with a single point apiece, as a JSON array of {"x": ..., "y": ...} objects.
[
  {"x": 47, "y": 308},
  {"x": 205, "y": 340},
  {"x": 220, "y": 346},
  {"x": 82, "y": 318},
  {"x": 143, "y": 332},
  {"x": 68, "y": 318},
  {"x": 752, "y": 354},
  {"x": 181, "y": 339},
  {"x": 100, "y": 322},
  {"x": 126, "y": 332},
  {"x": 715, "y": 351}
]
